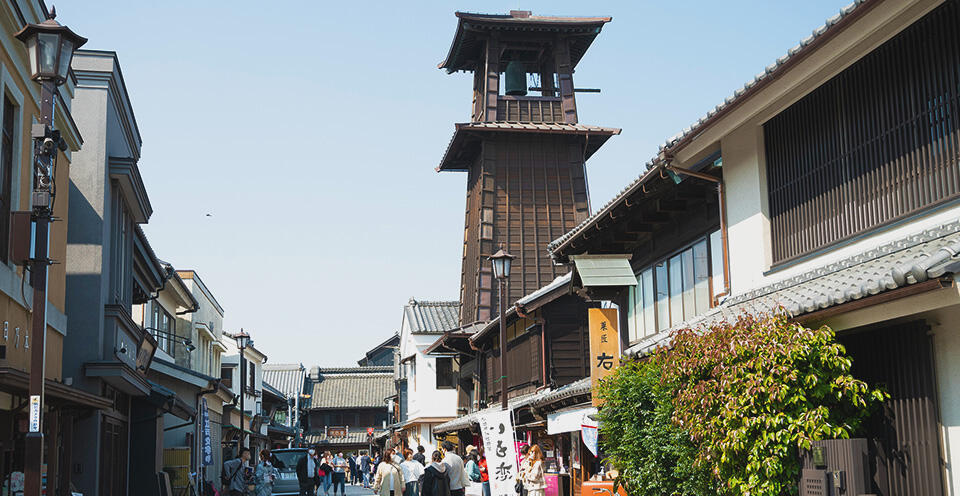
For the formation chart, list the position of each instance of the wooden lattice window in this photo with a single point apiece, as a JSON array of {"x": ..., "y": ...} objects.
[{"x": 873, "y": 145}]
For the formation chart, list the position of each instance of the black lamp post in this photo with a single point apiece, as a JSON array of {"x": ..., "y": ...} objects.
[
  {"x": 243, "y": 340},
  {"x": 50, "y": 48},
  {"x": 501, "y": 270}
]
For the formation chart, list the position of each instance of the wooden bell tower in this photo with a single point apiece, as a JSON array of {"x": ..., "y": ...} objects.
[{"x": 524, "y": 154}]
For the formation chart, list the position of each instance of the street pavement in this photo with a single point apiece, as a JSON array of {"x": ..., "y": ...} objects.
[{"x": 472, "y": 490}]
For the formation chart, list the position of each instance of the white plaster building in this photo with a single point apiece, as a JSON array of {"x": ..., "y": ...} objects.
[{"x": 427, "y": 384}]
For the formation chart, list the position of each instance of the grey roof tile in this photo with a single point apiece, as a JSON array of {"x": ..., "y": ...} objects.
[
  {"x": 431, "y": 317},
  {"x": 288, "y": 378},
  {"x": 351, "y": 389}
]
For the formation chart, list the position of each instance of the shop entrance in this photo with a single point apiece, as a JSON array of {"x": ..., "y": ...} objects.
[{"x": 904, "y": 437}]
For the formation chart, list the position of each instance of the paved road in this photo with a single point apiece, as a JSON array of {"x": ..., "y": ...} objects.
[{"x": 360, "y": 491}]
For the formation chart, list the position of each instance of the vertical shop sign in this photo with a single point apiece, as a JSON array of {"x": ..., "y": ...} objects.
[
  {"x": 604, "y": 346},
  {"x": 206, "y": 446},
  {"x": 498, "y": 443}
]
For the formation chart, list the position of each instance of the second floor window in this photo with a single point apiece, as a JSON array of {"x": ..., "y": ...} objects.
[
  {"x": 163, "y": 322},
  {"x": 875, "y": 144},
  {"x": 675, "y": 289},
  {"x": 6, "y": 174},
  {"x": 445, "y": 375},
  {"x": 121, "y": 259}
]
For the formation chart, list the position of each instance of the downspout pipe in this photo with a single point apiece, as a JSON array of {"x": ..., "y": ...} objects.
[{"x": 724, "y": 240}]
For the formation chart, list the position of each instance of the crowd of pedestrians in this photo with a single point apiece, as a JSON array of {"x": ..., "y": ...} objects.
[{"x": 445, "y": 473}]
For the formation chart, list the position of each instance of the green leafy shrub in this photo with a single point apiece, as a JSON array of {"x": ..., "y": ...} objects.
[
  {"x": 637, "y": 433},
  {"x": 751, "y": 393}
]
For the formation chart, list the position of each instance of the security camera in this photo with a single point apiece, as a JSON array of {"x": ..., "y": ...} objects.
[{"x": 49, "y": 145}]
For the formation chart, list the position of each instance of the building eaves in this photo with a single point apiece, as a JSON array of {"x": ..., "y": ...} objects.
[
  {"x": 463, "y": 130},
  {"x": 773, "y": 71},
  {"x": 546, "y": 294},
  {"x": 927, "y": 255},
  {"x": 669, "y": 148},
  {"x": 466, "y": 44}
]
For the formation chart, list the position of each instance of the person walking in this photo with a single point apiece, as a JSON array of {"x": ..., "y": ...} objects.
[
  {"x": 484, "y": 474},
  {"x": 265, "y": 475},
  {"x": 435, "y": 480},
  {"x": 533, "y": 480},
  {"x": 524, "y": 466},
  {"x": 326, "y": 473},
  {"x": 365, "y": 468},
  {"x": 339, "y": 473},
  {"x": 454, "y": 470},
  {"x": 307, "y": 473},
  {"x": 352, "y": 460},
  {"x": 412, "y": 471},
  {"x": 420, "y": 457},
  {"x": 389, "y": 478},
  {"x": 233, "y": 478},
  {"x": 472, "y": 467}
]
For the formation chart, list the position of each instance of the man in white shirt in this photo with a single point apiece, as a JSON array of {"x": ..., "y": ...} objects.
[{"x": 454, "y": 469}]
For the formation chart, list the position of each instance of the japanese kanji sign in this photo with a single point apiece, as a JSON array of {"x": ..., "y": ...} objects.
[
  {"x": 604, "y": 345},
  {"x": 206, "y": 445},
  {"x": 497, "y": 431}
]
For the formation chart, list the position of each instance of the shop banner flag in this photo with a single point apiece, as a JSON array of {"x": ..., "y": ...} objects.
[
  {"x": 498, "y": 444},
  {"x": 590, "y": 434},
  {"x": 206, "y": 446},
  {"x": 604, "y": 346}
]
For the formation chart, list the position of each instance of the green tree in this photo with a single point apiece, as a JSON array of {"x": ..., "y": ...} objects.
[
  {"x": 752, "y": 393},
  {"x": 653, "y": 456}
]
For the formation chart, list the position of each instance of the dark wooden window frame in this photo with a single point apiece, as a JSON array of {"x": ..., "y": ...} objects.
[
  {"x": 878, "y": 143},
  {"x": 666, "y": 260},
  {"x": 7, "y": 140},
  {"x": 445, "y": 377}
]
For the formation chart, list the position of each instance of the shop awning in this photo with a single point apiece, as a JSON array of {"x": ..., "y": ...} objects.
[
  {"x": 167, "y": 400},
  {"x": 603, "y": 270},
  {"x": 568, "y": 420}
]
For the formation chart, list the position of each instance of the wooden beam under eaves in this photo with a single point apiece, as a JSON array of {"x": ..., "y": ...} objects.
[
  {"x": 671, "y": 206},
  {"x": 638, "y": 226}
]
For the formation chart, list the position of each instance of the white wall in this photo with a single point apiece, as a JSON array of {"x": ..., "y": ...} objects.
[{"x": 424, "y": 400}]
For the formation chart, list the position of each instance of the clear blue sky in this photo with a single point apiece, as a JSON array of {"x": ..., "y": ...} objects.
[{"x": 310, "y": 131}]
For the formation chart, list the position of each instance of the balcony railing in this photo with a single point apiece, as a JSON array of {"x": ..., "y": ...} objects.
[{"x": 529, "y": 109}]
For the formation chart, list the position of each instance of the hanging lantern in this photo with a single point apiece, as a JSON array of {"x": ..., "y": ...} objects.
[{"x": 50, "y": 47}]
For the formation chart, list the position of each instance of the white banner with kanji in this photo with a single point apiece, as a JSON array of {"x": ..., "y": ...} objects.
[{"x": 500, "y": 450}]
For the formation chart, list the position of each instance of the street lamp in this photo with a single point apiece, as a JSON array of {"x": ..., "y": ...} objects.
[
  {"x": 501, "y": 262},
  {"x": 243, "y": 340},
  {"x": 50, "y": 47}
]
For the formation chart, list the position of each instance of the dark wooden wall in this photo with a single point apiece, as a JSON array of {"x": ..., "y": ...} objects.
[
  {"x": 525, "y": 191},
  {"x": 568, "y": 340}
]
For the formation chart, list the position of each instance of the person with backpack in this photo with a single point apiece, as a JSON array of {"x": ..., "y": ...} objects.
[
  {"x": 232, "y": 477},
  {"x": 436, "y": 481},
  {"x": 389, "y": 478},
  {"x": 365, "y": 462}
]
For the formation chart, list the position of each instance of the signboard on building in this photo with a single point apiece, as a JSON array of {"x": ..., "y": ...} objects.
[
  {"x": 604, "y": 345},
  {"x": 498, "y": 443},
  {"x": 35, "y": 413},
  {"x": 336, "y": 432},
  {"x": 206, "y": 443}
]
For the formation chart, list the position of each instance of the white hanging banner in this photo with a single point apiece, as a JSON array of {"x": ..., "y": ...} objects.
[
  {"x": 500, "y": 450},
  {"x": 590, "y": 433}
]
